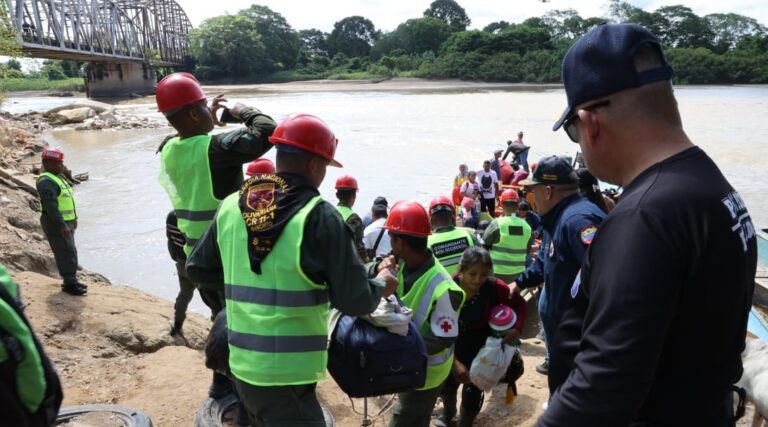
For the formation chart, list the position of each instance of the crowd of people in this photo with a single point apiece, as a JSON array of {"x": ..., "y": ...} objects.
[{"x": 630, "y": 291}]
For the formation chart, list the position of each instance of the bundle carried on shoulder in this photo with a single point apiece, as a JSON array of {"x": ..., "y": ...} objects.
[{"x": 368, "y": 360}]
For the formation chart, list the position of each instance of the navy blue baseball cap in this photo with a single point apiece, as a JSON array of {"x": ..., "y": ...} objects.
[
  {"x": 602, "y": 62},
  {"x": 552, "y": 170}
]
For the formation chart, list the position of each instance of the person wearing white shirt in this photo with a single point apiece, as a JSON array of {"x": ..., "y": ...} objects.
[
  {"x": 489, "y": 187},
  {"x": 375, "y": 237}
]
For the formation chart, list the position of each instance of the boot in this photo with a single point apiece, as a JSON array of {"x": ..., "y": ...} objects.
[
  {"x": 543, "y": 369},
  {"x": 220, "y": 387},
  {"x": 175, "y": 328},
  {"x": 75, "y": 289},
  {"x": 467, "y": 418},
  {"x": 449, "y": 411}
]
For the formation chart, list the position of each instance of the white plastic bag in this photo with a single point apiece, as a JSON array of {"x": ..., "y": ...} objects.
[
  {"x": 491, "y": 363},
  {"x": 392, "y": 315}
]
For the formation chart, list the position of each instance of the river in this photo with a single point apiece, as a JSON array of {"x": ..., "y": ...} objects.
[{"x": 401, "y": 144}]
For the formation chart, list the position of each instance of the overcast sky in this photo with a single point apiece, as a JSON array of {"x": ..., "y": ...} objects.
[{"x": 388, "y": 14}]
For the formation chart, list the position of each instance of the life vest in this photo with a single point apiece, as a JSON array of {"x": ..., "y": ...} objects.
[
  {"x": 345, "y": 212},
  {"x": 277, "y": 320},
  {"x": 185, "y": 174},
  {"x": 421, "y": 298},
  {"x": 509, "y": 253},
  {"x": 66, "y": 200},
  {"x": 37, "y": 387},
  {"x": 448, "y": 246}
]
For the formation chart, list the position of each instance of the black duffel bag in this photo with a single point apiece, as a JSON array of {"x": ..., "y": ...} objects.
[{"x": 366, "y": 360}]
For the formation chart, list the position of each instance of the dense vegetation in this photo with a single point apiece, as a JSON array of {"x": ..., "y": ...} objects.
[{"x": 258, "y": 44}]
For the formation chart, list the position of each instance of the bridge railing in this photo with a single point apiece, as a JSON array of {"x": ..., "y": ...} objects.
[{"x": 153, "y": 31}]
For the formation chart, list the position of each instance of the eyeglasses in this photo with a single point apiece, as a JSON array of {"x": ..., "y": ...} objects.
[{"x": 570, "y": 125}]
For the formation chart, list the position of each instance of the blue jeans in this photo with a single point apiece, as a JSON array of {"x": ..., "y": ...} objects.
[{"x": 522, "y": 159}]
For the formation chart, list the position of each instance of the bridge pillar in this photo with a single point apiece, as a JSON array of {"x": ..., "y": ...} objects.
[{"x": 116, "y": 80}]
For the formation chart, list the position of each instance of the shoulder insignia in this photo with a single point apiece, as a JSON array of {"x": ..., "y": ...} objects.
[{"x": 587, "y": 234}]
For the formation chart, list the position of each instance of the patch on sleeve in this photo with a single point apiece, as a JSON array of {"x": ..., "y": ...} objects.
[
  {"x": 444, "y": 321},
  {"x": 587, "y": 234}
]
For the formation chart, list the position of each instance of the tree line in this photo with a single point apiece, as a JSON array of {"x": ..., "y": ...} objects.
[{"x": 258, "y": 44}]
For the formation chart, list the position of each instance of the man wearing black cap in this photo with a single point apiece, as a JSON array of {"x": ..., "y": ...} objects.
[
  {"x": 672, "y": 267},
  {"x": 569, "y": 222}
]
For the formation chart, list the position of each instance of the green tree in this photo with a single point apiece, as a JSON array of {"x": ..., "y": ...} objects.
[
  {"x": 229, "y": 46},
  {"x": 684, "y": 28},
  {"x": 352, "y": 36},
  {"x": 496, "y": 27},
  {"x": 449, "y": 12},
  {"x": 315, "y": 42},
  {"x": 729, "y": 28},
  {"x": 9, "y": 43},
  {"x": 521, "y": 39},
  {"x": 280, "y": 40},
  {"x": 14, "y": 64},
  {"x": 52, "y": 70},
  {"x": 414, "y": 36},
  {"x": 468, "y": 41},
  {"x": 623, "y": 12}
]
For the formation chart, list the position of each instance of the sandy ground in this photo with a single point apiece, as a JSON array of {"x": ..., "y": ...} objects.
[{"x": 113, "y": 347}]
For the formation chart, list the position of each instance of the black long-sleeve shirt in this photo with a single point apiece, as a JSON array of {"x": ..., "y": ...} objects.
[
  {"x": 328, "y": 256},
  {"x": 656, "y": 328}
]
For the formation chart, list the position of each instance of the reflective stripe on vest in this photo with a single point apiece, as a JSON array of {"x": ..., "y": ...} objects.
[
  {"x": 509, "y": 253},
  {"x": 185, "y": 174},
  {"x": 29, "y": 375},
  {"x": 345, "y": 212},
  {"x": 422, "y": 296},
  {"x": 448, "y": 246},
  {"x": 278, "y": 320},
  {"x": 66, "y": 200}
]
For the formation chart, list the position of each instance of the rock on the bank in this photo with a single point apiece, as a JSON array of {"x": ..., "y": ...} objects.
[
  {"x": 75, "y": 115},
  {"x": 98, "y": 107}
]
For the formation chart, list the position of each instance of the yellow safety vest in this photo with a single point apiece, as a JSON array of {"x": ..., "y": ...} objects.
[
  {"x": 448, "y": 246},
  {"x": 66, "y": 200},
  {"x": 509, "y": 253},
  {"x": 421, "y": 298}
]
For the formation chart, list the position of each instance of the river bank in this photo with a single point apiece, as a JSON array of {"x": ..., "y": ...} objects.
[{"x": 113, "y": 346}]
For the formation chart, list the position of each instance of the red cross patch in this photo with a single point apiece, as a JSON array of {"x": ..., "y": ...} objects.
[{"x": 446, "y": 326}]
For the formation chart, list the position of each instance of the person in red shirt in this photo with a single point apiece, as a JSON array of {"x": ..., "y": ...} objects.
[{"x": 483, "y": 292}]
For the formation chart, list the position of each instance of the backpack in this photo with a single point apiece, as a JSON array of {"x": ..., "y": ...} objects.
[
  {"x": 486, "y": 181},
  {"x": 366, "y": 360}
]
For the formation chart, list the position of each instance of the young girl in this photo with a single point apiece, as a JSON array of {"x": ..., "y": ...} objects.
[{"x": 483, "y": 292}]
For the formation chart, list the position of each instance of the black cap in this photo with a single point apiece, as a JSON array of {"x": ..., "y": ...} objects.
[
  {"x": 602, "y": 62},
  {"x": 552, "y": 170},
  {"x": 380, "y": 201}
]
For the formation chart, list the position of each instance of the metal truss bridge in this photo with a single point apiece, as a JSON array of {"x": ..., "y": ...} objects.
[{"x": 149, "y": 31}]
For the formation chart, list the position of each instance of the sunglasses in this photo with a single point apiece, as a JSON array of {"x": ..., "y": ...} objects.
[{"x": 570, "y": 125}]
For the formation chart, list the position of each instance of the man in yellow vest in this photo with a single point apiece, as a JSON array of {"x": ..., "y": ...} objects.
[
  {"x": 284, "y": 254},
  {"x": 58, "y": 217},
  {"x": 346, "y": 192},
  {"x": 447, "y": 242},
  {"x": 509, "y": 239},
  {"x": 199, "y": 170},
  {"x": 426, "y": 287}
]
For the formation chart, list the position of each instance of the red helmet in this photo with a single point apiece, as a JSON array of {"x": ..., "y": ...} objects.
[
  {"x": 347, "y": 182},
  {"x": 53, "y": 154},
  {"x": 510, "y": 196},
  {"x": 533, "y": 167},
  {"x": 441, "y": 201},
  {"x": 408, "y": 217},
  {"x": 308, "y": 133},
  {"x": 260, "y": 166},
  {"x": 177, "y": 90}
]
